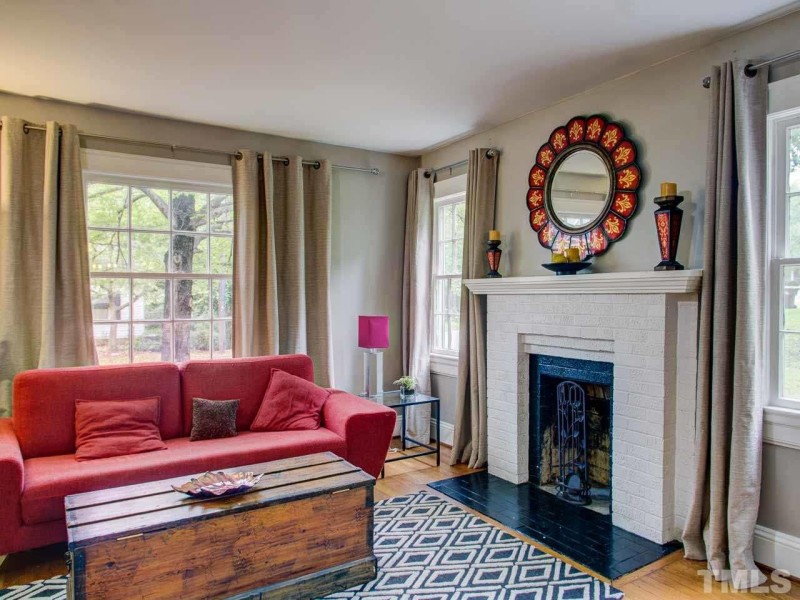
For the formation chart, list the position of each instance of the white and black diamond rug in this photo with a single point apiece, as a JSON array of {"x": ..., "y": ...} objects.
[{"x": 429, "y": 549}]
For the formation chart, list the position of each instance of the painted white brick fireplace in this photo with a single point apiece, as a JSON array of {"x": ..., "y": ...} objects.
[{"x": 645, "y": 324}]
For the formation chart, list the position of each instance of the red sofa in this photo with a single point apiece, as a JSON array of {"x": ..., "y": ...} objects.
[{"x": 37, "y": 445}]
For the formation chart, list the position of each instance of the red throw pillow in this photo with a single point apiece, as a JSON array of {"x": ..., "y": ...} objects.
[
  {"x": 106, "y": 428},
  {"x": 290, "y": 402}
]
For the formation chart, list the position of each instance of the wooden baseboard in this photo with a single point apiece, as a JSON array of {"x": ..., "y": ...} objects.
[
  {"x": 446, "y": 429},
  {"x": 777, "y": 550}
]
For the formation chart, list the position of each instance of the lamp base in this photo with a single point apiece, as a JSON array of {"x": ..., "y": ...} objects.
[{"x": 368, "y": 389}]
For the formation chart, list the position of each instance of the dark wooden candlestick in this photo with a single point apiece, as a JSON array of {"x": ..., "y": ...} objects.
[
  {"x": 493, "y": 256},
  {"x": 668, "y": 228}
]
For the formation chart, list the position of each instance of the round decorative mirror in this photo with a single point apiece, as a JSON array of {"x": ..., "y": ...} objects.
[
  {"x": 579, "y": 189},
  {"x": 583, "y": 187}
]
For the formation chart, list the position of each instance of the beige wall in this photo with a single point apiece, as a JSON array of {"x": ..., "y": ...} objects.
[
  {"x": 368, "y": 211},
  {"x": 664, "y": 109}
]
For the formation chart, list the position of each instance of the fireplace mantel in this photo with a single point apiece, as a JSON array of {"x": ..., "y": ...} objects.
[{"x": 634, "y": 282}]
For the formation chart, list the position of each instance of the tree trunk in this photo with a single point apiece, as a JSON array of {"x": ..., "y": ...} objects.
[{"x": 183, "y": 212}]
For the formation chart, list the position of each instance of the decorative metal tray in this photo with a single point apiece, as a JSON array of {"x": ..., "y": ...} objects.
[
  {"x": 214, "y": 485},
  {"x": 566, "y": 268}
]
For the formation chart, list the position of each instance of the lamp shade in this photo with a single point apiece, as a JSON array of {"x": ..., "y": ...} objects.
[{"x": 373, "y": 331}]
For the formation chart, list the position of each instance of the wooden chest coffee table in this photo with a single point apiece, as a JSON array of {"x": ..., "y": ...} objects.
[{"x": 304, "y": 531}]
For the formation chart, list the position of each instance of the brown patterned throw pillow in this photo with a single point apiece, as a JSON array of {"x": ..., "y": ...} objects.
[{"x": 213, "y": 419}]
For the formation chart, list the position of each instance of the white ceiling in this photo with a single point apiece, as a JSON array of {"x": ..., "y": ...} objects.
[{"x": 399, "y": 76}]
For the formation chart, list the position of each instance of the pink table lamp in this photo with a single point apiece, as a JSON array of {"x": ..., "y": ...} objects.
[{"x": 373, "y": 334}]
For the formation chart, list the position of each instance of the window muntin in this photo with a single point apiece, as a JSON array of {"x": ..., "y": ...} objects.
[{"x": 161, "y": 261}]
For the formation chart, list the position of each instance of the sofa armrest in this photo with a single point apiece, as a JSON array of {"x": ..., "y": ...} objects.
[
  {"x": 366, "y": 427},
  {"x": 12, "y": 481}
]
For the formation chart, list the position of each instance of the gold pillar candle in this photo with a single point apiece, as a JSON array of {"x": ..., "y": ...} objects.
[
  {"x": 494, "y": 235},
  {"x": 669, "y": 189},
  {"x": 559, "y": 257},
  {"x": 573, "y": 254}
]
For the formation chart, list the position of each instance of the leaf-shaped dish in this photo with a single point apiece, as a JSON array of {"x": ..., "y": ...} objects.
[{"x": 214, "y": 485}]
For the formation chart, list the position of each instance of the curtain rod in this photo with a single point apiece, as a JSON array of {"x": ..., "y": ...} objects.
[
  {"x": 174, "y": 147},
  {"x": 751, "y": 69},
  {"x": 490, "y": 153}
]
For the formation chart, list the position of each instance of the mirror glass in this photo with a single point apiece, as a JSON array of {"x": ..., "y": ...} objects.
[{"x": 579, "y": 189}]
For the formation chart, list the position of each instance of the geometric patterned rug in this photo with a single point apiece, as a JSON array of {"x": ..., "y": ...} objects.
[{"x": 430, "y": 549}]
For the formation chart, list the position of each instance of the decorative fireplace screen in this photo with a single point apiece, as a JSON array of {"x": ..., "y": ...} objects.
[
  {"x": 570, "y": 429},
  {"x": 573, "y": 478}
]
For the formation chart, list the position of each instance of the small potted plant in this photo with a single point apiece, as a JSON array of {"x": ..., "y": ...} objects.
[{"x": 407, "y": 385}]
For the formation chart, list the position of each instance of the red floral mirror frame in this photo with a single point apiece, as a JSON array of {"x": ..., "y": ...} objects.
[{"x": 606, "y": 139}]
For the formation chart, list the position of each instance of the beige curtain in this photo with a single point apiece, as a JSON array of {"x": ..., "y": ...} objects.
[
  {"x": 281, "y": 267},
  {"x": 417, "y": 297},
  {"x": 45, "y": 303},
  {"x": 469, "y": 437},
  {"x": 723, "y": 511}
]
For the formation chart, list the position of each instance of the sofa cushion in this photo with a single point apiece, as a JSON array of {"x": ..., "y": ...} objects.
[
  {"x": 213, "y": 419},
  {"x": 49, "y": 479},
  {"x": 44, "y": 401},
  {"x": 106, "y": 428},
  {"x": 242, "y": 378},
  {"x": 290, "y": 403}
]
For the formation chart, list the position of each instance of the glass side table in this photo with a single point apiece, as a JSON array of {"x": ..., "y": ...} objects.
[{"x": 401, "y": 404}]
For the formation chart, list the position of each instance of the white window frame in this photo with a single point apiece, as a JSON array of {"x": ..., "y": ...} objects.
[
  {"x": 448, "y": 192},
  {"x": 134, "y": 170},
  {"x": 782, "y": 415}
]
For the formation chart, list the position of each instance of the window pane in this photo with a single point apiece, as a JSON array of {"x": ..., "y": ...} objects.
[
  {"x": 152, "y": 342},
  {"x": 112, "y": 343},
  {"x": 111, "y": 299},
  {"x": 151, "y": 299},
  {"x": 458, "y": 223},
  {"x": 108, "y": 251},
  {"x": 222, "y": 255},
  {"x": 793, "y": 226},
  {"x": 790, "y": 276},
  {"x": 440, "y": 295},
  {"x": 793, "y": 156},
  {"x": 222, "y": 297},
  {"x": 444, "y": 222},
  {"x": 441, "y": 249},
  {"x": 107, "y": 205},
  {"x": 458, "y": 249},
  {"x": 192, "y": 341},
  {"x": 191, "y": 299},
  {"x": 149, "y": 208},
  {"x": 790, "y": 365},
  {"x": 189, "y": 211},
  {"x": 450, "y": 258},
  {"x": 150, "y": 252},
  {"x": 189, "y": 254},
  {"x": 438, "y": 332},
  {"x": 454, "y": 327},
  {"x": 223, "y": 339},
  {"x": 454, "y": 299},
  {"x": 221, "y": 213}
]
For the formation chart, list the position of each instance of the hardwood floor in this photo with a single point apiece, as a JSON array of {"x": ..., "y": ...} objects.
[{"x": 671, "y": 578}]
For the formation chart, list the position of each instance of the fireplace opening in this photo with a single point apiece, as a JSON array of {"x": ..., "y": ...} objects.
[{"x": 570, "y": 437}]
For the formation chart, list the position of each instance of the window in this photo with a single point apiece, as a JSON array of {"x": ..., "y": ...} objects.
[
  {"x": 448, "y": 248},
  {"x": 161, "y": 261},
  {"x": 784, "y": 269}
]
